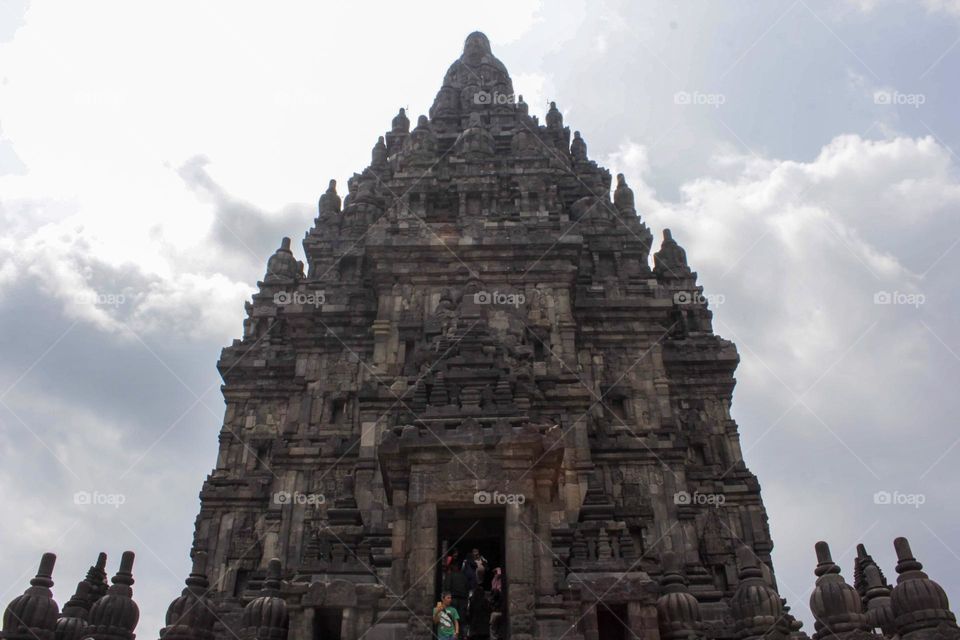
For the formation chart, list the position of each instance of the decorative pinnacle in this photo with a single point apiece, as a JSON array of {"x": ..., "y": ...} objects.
[
  {"x": 905, "y": 560},
  {"x": 872, "y": 575},
  {"x": 197, "y": 580},
  {"x": 671, "y": 572},
  {"x": 124, "y": 575},
  {"x": 825, "y": 564},
  {"x": 272, "y": 581},
  {"x": 748, "y": 564},
  {"x": 44, "y": 577}
]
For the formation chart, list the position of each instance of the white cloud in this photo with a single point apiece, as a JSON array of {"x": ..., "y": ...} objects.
[
  {"x": 159, "y": 161},
  {"x": 799, "y": 250}
]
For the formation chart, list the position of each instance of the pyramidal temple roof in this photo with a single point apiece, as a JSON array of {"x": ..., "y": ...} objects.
[{"x": 476, "y": 81}]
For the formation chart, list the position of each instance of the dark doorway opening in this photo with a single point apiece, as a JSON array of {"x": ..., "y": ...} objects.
[
  {"x": 612, "y": 621},
  {"x": 468, "y": 528},
  {"x": 327, "y": 623}
]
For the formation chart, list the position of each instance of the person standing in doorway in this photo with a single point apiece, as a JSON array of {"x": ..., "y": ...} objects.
[
  {"x": 478, "y": 616},
  {"x": 497, "y": 605},
  {"x": 473, "y": 565},
  {"x": 447, "y": 618}
]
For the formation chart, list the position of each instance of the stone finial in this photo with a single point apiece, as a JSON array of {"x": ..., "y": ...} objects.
[
  {"x": 522, "y": 106},
  {"x": 191, "y": 617},
  {"x": 33, "y": 615},
  {"x": 72, "y": 624},
  {"x": 330, "y": 202},
  {"x": 678, "y": 611},
  {"x": 860, "y": 565},
  {"x": 554, "y": 117},
  {"x": 671, "y": 260},
  {"x": 835, "y": 605},
  {"x": 97, "y": 577},
  {"x": 266, "y": 617},
  {"x": 623, "y": 196},
  {"x": 422, "y": 142},
  {"x": 578, "y": 148},
  {"x": 877, "y": 601},
  {"x": 378, "y": 158},
  {"x": 282, "y": 265},
  {"x": 756, "y": 606},
  {"x": 400, "y": 123},
  {"x": 115, "y": 615},
  {"x": 476, "y": 45},
  {"x": 918, "y": 602}
]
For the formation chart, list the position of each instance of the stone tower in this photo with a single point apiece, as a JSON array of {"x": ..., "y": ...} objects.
[{"x": 478, "y": 354}]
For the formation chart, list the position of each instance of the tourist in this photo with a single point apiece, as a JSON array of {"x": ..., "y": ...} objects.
[
  {"x": 446, "y": 617},
  {"x": 450, "y": 560},
  {"x": 478, "y": 617},
  {"x": 497, "y": 583},
  {"x": 472, "y": 565}
]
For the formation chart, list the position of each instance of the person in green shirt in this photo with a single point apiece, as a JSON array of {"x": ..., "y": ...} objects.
[{"x": 446, "y": 618}]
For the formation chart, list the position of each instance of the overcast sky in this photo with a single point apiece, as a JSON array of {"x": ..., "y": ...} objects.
[{"x": 153, "y": 155}]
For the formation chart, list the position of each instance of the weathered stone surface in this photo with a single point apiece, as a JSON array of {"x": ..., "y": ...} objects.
[{"x": 479, "y": 318}]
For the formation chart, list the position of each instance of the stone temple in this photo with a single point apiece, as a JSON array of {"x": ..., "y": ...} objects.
[{"x": 479, "y": 354}]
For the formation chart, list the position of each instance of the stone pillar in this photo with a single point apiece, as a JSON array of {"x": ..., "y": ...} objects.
[
  {"x": 348, "y": 624},
  {"x": 588, "y": 621},
  {"x": 423, "y": 558},
  {"x": 543, "y": 546},
  {"x": 642, "y": 619},
  {"x": 521, "y": 571},
  {"x": 301, "y": 623},
  {"x": 381, "y": 338},
  {"x": 398, "y": 539}
]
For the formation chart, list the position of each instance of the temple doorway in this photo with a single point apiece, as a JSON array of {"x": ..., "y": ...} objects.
[
  {"x": 611, "y": 622},
  {"x": 468, "y": 528}
]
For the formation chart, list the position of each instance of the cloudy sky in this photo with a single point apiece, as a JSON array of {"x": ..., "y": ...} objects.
[{"x": 152, "y": 155}]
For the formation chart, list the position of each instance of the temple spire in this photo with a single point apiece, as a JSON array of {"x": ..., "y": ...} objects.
[
  {"x": 330, "y": 201},
  {"x": 115, "y": 615},
  {"x": 266, "y": 617},
  {"x": 919, "y": 604},
  {"x": 190, "y": 616},
  {"x": 33, "y": 615},
  {"x": 671, "y": 260},
  {"x": 282, "y": 265},
  {"x": 623, "y": 198},
  {"x": 835, "y": 605},
  {"x": 400, "y": 123},
  {"x": 72, "y": 624},
  {"x": 678, "y": 611},
  {"x": 756, "y": 607}
]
